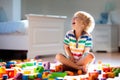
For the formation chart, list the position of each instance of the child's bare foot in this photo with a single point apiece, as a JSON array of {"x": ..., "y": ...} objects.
[{"x": 84, "y": 69}]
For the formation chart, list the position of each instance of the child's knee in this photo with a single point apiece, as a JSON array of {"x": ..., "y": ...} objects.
[
  {"x": 58, "y": 56},
  {"x": 92, "y": 55}
]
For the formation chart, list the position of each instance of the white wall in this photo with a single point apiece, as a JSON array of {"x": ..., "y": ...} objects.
[
  {"x": 12, "y": 9},
  {"x": 16, "y": 10},
  {"x": 65, "y": 7}
]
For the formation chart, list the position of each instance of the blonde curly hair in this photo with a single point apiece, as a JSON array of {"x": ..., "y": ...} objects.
[{"x": 88, "y": 20}]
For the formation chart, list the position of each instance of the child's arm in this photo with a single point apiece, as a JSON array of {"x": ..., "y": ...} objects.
[
  {"x": 68, "y": 52},
  {"x": 86, "y": 51}
]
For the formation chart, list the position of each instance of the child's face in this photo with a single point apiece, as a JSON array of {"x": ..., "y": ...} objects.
[{"x": 78, "y": 22}]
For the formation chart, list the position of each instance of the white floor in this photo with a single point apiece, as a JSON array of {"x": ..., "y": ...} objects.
[{"x": 108, "y": 58}]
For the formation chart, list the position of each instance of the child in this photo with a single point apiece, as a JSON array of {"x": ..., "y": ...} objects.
[{"x": 78, "y": 43}]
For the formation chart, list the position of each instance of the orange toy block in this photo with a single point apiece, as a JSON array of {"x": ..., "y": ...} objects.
[
  {"x": 59, "y": 68},
  {"x": 70, "y": 73},
  {"x": 79, "y": 72}
]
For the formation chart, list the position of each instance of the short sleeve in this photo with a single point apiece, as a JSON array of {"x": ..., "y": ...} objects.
[
  {"x": 89, "y": 42},
  {"x": 66, "y": 39}
]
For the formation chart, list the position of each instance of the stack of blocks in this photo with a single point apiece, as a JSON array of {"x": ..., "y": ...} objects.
[{"x": 45, "y": 70}]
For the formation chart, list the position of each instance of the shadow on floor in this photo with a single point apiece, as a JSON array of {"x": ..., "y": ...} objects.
[{"x": 7, "y": 55}]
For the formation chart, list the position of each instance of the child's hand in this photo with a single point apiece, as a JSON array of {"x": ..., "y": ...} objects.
[{"x": 72, "y": 59}]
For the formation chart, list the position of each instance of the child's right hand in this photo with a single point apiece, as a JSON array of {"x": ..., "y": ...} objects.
[{"x": 72, "y": 59}]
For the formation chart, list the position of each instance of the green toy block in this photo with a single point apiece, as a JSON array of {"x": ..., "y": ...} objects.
[
  {"x": 39, "y": 69},
  {"x": 31, "y": 77},
  {"x": 57, "y": 74}
]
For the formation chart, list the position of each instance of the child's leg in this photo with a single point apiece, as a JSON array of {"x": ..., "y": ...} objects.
[
  {"x": 86, "y": 60},
  {"x": 66, "y": 61}
]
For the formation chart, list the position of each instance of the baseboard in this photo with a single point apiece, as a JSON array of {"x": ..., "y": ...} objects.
[
  {"x": 101, "y": 51},
  {"x": 118, "y": 48}
]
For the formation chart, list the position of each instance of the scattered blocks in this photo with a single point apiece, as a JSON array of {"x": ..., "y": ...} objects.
[{"x": 41, "y": 70}]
